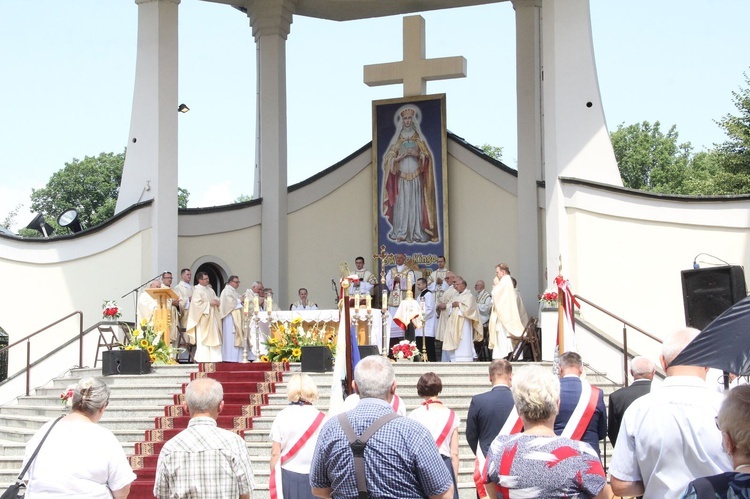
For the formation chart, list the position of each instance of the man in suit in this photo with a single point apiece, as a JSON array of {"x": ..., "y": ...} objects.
[
  {"x": 642, "y": 370},
  {"x": 589, "y": 422},
  {"x": 490, "y": 413}
]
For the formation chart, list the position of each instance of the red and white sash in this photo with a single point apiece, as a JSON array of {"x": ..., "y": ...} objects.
[
  {"x": 274, "y": 481},
  {"x": 511, "y": 426},
  {"x": 446, "y": 429},
  {"x": 582, "y": 414}
]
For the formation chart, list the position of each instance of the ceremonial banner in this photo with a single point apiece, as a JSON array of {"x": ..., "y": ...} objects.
[{"x": 410, "y": 179}]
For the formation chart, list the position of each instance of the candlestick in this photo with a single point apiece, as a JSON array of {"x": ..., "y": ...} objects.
[
  {"x": 356, "y": 301},
  {"x": 368, "y": 302},
  {"x": 256, "y": 306},
  {"x": 246, "y": 305},
  {"x": 384, "y": 304},
  {"x": 269, "y": 306}
]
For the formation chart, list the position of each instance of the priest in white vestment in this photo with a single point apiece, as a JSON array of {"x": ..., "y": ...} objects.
[
  {"x": 204, "y": 323},
  {"x": 442, "y": 306},
  {"x": 397, "y": 280},
  {"x": 147, "y": 305},
  {"x": 230, "y": 311},
  {"x": 185, "y": 291},
  {"x": 303, "y": 303},
  {"x": 505, "y": 321},
  {"x": 464, "y": 326},
  {"x": 437, "y": 281},
  {"x": 367, "y": 279}
]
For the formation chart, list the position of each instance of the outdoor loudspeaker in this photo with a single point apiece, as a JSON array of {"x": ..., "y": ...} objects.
[
  {"x": 316, "y": 359},
  {"x": 366, "y": 350},
  {"x": 708, "y": 292},
  {"x": 125, "y": 362}
]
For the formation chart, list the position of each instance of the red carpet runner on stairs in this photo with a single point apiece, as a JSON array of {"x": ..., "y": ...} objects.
[{"x": 246, "y": 389}]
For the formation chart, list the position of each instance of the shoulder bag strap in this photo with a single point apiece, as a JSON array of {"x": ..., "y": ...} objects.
[
  {"x": 36, "y": 451},
  {"x": 704, "y": 489},
  {"x": 358, "y": 445}
]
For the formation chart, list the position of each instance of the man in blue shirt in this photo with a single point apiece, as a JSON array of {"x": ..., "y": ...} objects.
[{"x": 401, "y": 458}]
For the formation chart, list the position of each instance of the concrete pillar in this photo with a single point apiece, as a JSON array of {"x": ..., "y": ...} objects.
[
  {"x": 576, "y": 140},
  {"x": 151, "y": 160},
  {"x": 529, "y": 125},
  {"x": 271, "y": 21}
]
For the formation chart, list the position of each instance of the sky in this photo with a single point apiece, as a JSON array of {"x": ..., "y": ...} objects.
[{"x": 68, "y": 76}]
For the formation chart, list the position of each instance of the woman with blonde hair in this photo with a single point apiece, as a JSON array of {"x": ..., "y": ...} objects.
[
  {"x": 538, "y": 463},
  {"x": 734, "y": 423},
  {"x": 294, "y": 434},
  {"x": 441, "y": 421},
  {"x": 79, "y": 458}
]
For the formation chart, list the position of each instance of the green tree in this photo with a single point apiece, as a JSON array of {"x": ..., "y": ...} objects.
[
  {"x": 10, "y": 218},
  {"x": 648, "y": 158},
  {"x": 494, "y": 152},
  {"x": 90, "y": 186},
  {"x": 243, "y": 198},
  {"x": 734, "y": 153}
]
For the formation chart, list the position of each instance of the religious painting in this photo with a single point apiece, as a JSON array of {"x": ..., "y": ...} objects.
[{"x": 410, "y": 180}]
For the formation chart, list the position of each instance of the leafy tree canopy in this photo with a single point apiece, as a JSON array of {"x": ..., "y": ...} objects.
[
  {"x": 90, "y": 186},
  {"x": 494, "y": 152}
]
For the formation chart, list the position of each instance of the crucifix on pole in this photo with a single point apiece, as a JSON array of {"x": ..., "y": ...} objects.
[{"x": 415, "y": 70}]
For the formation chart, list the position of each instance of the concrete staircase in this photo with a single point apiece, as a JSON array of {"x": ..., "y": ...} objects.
[{"x": 137, "y": 399}]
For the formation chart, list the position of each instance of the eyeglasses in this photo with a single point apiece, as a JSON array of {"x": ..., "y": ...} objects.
[{"x": 236, "y": 282}]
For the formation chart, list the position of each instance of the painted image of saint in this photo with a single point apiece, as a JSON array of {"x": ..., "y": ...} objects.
[{"x": 409, "y": 193}]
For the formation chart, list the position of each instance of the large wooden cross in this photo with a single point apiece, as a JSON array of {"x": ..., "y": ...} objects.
[{"x": 414, "y": 71}]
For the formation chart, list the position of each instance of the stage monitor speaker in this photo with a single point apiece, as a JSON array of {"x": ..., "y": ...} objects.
[
  {"x": 316, "y": 359},
  {"x": 125, "y": 362},
  {"x": 366, "y": 350},
  {"x": 708, "y": 292}
]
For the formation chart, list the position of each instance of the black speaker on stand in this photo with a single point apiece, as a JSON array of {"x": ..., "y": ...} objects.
[
  {"x": 125, "y": 362},
  {"x": 367, "y": 350},
  {"x": 708, "y": 292}
]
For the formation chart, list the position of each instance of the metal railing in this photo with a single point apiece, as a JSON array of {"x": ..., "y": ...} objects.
[
  {"x": 625, "y": 326},
  {"x": 27, "y": 340}
]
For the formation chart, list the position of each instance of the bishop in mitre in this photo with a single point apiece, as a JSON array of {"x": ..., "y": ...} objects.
[
  {"x": 505, "y": 321},
  {"x": 203, "y": 321},
  {"x": 464, "y": 325},
  {"x": 230, "y": 311}
]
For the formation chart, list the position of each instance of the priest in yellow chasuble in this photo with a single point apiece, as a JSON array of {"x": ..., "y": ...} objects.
[
  {"x": 442, "y": 306},
  {"x": 230, "y": 311},
  {"x": 174, "y": 313},
  {"x": 464, "y": 325},
  {"x": 147, "y": 305},
  {"x": 203, "y": 321},
  {"x": 505, "y": 321}
]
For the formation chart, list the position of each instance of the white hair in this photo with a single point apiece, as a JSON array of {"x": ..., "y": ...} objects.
[
  {"x": 676, "y": 341},
  {"x": 536, "y": 392}
]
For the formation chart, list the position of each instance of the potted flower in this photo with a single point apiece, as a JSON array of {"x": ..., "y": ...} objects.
[
  {"x": 404, "y": 351},
  {"x": 110, "y": 311}
]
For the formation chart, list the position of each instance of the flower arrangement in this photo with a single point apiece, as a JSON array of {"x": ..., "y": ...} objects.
[
  {"x": 110, "y": 311},
  {"x": 548, "y": 299},
  {"x": 288, "y": 338},
  {"x": 404, "y": 350},
  {"x": 145, "y": 338},
  {"x": 66, "y": 397}
]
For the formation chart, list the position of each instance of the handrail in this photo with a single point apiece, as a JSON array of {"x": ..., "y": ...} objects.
[
  {"x": 625, "y": 325},
  {"x": 28, "y": 344}
]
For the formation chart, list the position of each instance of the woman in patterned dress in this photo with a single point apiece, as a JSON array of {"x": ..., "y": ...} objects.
[{"x": 538, "y": 463}]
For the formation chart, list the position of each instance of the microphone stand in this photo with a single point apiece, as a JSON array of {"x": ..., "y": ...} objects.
[
  {"x": 335, "y": 294},
  {"x": 135, "y": 297}
]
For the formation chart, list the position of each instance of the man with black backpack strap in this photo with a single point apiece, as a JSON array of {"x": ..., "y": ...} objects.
[{"x": 390, "y": 456}]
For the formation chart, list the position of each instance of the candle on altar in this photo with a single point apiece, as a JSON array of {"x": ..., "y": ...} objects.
[
  {"x": 368, "y": 302},
  {"x": 256, "y": 306},
  {"x": 408, "y": 281},
  {"x": 356, "y": 301},
  {"x": 246, "y": 305},
  {"x": 269, "y": 306},
  {"x": 384, "y": 304}
]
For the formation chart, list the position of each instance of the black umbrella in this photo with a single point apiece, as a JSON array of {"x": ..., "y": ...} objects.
[{"x": 723, "y": 344}]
